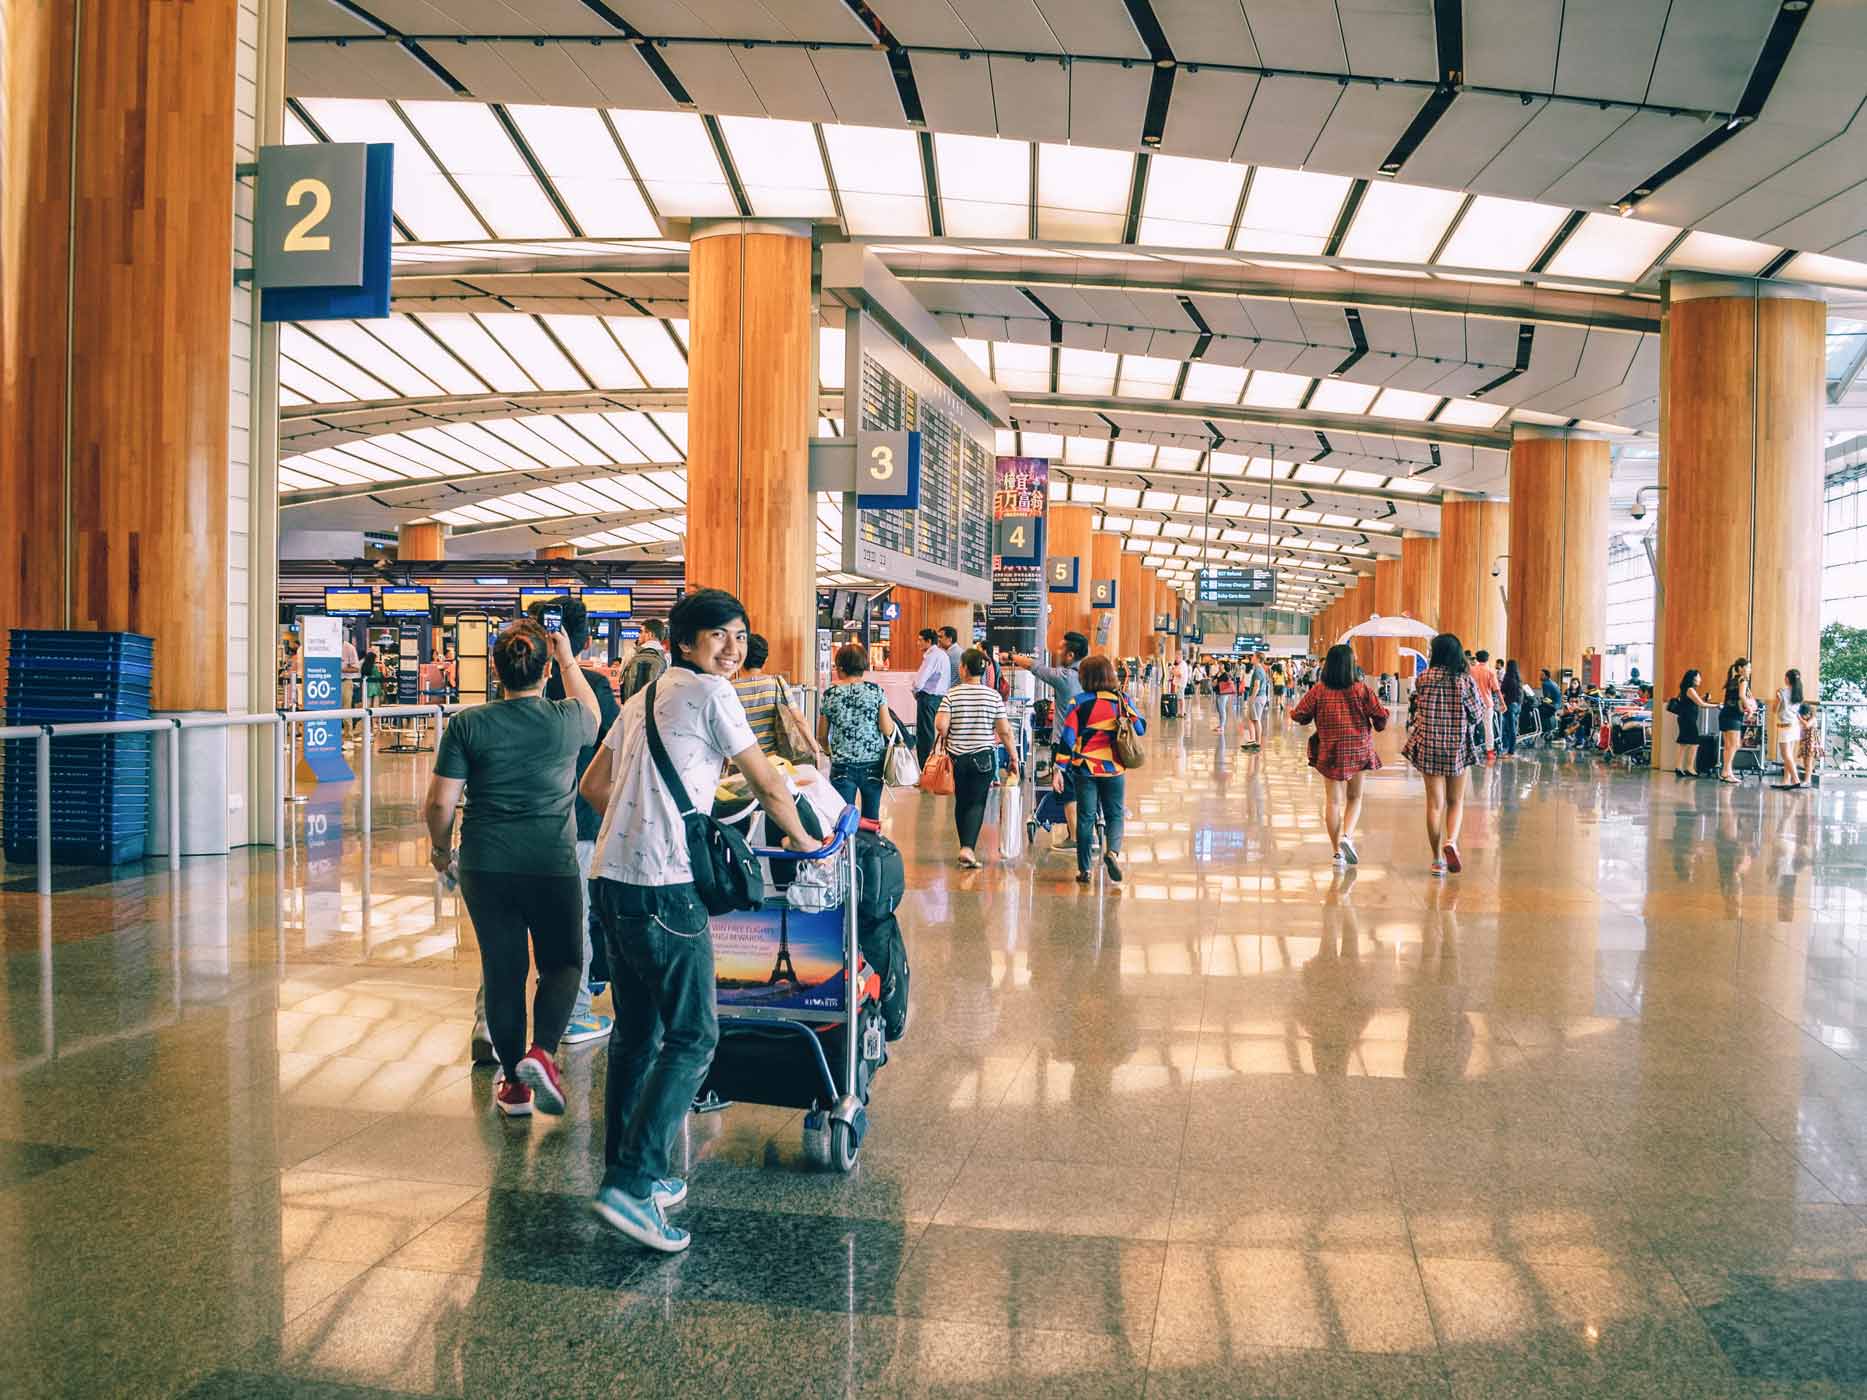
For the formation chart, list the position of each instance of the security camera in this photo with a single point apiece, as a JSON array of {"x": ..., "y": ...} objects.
[
  {"x": 1497, "y": 571},
  {"x": 1638, "y": 510}
]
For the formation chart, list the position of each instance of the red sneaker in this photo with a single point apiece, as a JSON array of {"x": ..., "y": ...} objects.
[
  {"x": 539, "y": 1072},
  {"x": 511, "y": 1097},
  {"x": 1452, "y": 864}
]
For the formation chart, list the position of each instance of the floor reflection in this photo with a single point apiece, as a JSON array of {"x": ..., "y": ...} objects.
[{"x": 1589, "y": 1118}]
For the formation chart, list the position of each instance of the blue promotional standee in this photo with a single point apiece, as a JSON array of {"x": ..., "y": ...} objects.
[{"x": 322, "y": 760}]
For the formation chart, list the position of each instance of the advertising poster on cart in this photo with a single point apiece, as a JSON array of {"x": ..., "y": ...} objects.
[
  {"x": 779, "y": 959},
  {"x": 1020, "y": 498},
  {"x": 323, "y": 759}
]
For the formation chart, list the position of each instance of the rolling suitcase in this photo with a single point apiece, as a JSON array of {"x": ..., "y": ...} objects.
[{"x": 1169, "y": 705}]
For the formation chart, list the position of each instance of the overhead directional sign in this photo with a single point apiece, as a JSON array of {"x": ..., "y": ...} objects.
[
  {"x": 1238, "y": 588},
  {"x": 1061, "y": 573},
  {"x": 321, "y": 229},
  {"x": 1102, "y": 593},
  {"x": 888, "y": 469}
]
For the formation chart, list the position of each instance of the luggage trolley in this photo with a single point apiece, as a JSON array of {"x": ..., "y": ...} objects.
[{"x": 784, "y": 1040}]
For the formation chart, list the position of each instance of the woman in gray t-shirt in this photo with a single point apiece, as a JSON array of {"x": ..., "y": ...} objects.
[{"x": 515, "y": 759}]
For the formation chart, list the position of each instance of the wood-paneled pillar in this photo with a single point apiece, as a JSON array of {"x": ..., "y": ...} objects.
[
  {"x": 1473, "y": 533},
  {"x": 1135, "y": 593},
  {"x": 751, "y": 520},
  {"x": 427, "y": 541},
  {"x": 1071, "y": 529},
  {"x": 1741, "y": 480},
  {"x": 550, "y": 551},
  {"x": 919, "y": 609},
  {"x": 1386, "y": 604},
  {"x": 1419, "y": 579},
  {"x": 1558, "y": 548},
  {"x": 1105, "y": 563},
  {"x": 117, "y": 184}
]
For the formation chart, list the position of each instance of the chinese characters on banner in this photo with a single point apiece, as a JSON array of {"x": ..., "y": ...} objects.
[{"x": 1020, "y": 499}]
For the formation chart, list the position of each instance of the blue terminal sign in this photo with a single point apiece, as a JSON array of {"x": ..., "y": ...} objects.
[{"x": 322, "y": 226}]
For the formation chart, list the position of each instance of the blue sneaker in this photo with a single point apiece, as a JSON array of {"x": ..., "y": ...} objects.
[
  {"x": 587, "y": 1028},
  {"x": 669, "y": 1192},
  {"x": 640, "y": 1219},
  {"x": 597, "y": 988}
]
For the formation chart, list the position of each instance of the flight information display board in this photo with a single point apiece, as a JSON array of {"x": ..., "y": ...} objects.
[
  {"x": 609, "y": 602},
  {"x": 1238, "y": 588},
  {"x": 405, "y": 600},
  {"x": 349, "y": 602},
  {"x": 946, "y": 545}
]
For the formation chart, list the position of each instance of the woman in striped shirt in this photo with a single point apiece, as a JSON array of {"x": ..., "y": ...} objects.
[
  {"x": 1087, "y": 747},
  {"x": 971, "y": 725}
]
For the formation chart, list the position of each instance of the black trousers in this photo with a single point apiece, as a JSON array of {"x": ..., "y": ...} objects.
[
  {"x": 925, "y": 708},
  {"x": 972, "y": 784},
  {"x": 505, "y": 907}
]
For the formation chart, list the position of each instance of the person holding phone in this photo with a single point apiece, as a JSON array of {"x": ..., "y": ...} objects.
[{"x": 515, "y": 762}]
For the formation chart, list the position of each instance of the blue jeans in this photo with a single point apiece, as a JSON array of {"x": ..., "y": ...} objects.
[
  {"x": 1093, "y": 793},
  {"x": 1508, "y": 740},
  {"x": 661, "y": 963},
  {"x": 859, "y": 779}
]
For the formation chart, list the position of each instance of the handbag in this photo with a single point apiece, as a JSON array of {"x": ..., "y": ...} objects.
[
  {"x": 725, "y": 872},
  {"x": 793, "y": 740},
  {"x": 937, "y": 776},
  {"x": 900, "y": 768}
]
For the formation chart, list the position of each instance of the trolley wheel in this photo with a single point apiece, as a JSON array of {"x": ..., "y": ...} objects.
[
  {"x": 843, "y": 1147},
  {"x": 817, "y": 1144}
]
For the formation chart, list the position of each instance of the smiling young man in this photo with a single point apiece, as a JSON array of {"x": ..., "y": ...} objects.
[{"x": 660, "y": 951}]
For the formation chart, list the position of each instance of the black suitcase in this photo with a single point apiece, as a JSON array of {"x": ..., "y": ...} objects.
[{"x": 1169, "y": 705}]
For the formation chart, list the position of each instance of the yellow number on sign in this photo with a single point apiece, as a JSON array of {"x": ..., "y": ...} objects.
[
  {"x": 883, "y": 458},
  {"x": 301, "y": 239},
  {"x": 1017, "y": 537}
]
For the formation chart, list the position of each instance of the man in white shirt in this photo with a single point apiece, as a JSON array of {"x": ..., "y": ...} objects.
[
  {"x": 660, "y": 948},
  {"x": 931, "y": 682}
]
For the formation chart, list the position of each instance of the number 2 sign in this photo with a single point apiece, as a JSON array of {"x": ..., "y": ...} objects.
[{"x": 321, "y": 230}]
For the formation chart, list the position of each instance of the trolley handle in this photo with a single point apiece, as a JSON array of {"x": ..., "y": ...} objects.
[{"x": 845, "y": 827}]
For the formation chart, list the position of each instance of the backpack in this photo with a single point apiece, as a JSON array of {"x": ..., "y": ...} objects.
[
  {"x": 881, "y": 878},
  {"x": 887, "y": 953},
  {"x": 644, "y": 670}
]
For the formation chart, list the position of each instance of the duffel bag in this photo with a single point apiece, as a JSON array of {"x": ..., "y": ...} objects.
[
  {"x": 884, "y": 950},
  {"x": 881, "y": 877}
]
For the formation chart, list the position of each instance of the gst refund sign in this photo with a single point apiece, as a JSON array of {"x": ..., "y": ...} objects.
[{"x": 322, "y": 226}]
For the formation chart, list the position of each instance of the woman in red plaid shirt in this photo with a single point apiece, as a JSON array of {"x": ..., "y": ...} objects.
[
  {"x": 1347, "y": 714},
  {"x": 1446, "y": 709}
]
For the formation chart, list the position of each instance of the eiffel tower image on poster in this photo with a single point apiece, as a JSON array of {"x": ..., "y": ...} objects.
[{"x": 781, "y": 970}]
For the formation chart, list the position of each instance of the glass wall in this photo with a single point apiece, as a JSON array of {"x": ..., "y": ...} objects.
[
  {"x": 1630, "y": 607},
  {"x": 1844, "y": 549}
]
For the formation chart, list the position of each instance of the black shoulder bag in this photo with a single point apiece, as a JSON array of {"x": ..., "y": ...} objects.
[{"x": 726, "y": 873}]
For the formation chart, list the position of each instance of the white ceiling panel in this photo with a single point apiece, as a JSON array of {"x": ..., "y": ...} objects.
[
  {"x": 618, "y": 72},
  {"x": 1206, "y": 31},
  {"x": 1554, "y": 356},
  {"x": 1315, "y": 361},
  {"x": 1544, "y": 150},
  {"x": 487, "y": 73},
  {"x": 1467, "y": 138},
  {"x": 1297, "y": 34},
  {"x": 1207, "y": 112},
  {"x": 1460, "y": 381},
  {"x": 321, "y": 17},
  {"x": 1171, "y": 345},
  {"x": 713, "y": 78},
  {"x": 1702, "y": 192},
  {"x": 1323, "y": 325},
  {"x": 1286, "y": 116},
  {"x": 785, "y": 83},
  {"x": 924, "y": 23},
  {"x": 1276, "y": 320},
  {"x": 1608, "y": 47},
  {"x": 1490, "y": 342},
  {"x": 1108, "y": 103},
  {"x": 1033, "y": 100},
  {"x": 1512, "y": 44},
  {"x": 1389, "y": 38},
  {"x": 489, "y": 17},
  {"x": 1796, "y": 189},
  {"x": 1388, "y": 330},
  {"x": 1363, "y": 128},
  {"x": 358, "y": 70},
  {"x": 1819, "y": 87},
  {"x": 1834, "y": 221},
  {"x": 1226, "y": 315},
  {"x": 1439, "y": 337},
  {"x": 956, "y": 93},
  {"x": 1007, "y": 24},
  {"x": 860, "y": 86},
  {"x": 823, "y": 20},
  {"x": 1091, "y": 26},
  {"x": 1642, "y": 145},
  {"x": 1708, "y": 51}
]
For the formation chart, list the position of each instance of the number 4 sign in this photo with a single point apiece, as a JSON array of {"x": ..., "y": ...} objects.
[{"x": 1017, "y": 538}]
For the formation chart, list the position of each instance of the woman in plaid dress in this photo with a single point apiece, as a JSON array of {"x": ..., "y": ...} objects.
[
  {"x": 1346, "y": 713},
  {"x": 1445, "y": 710}
]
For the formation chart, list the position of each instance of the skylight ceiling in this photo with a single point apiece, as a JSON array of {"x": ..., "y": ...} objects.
[{"x": 465, "y": 172}]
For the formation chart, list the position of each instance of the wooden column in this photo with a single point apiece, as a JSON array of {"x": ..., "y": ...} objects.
[
  {"x": 1419, "y": 579},
  {"x": 550, "y": 551},
  {"x": 1105, "y": 562},
  {"x": 1558, "y": 548},
  {"x": 919, "y": 609},
  {"x": 1070, "y": 530},
  {"x": 427, "y": 541},
  {"x": 117, "y": 182},
  {"x": 1741, "y": 480},
  {"x": 1387, "y": 604},
  {"x": 751, "y": 522},
  {"x": 1136, "y": 594},
  {"x": 1473, "y": 533}
]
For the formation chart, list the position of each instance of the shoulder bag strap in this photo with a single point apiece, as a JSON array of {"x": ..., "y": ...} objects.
[{"x": 663, "y": 764}]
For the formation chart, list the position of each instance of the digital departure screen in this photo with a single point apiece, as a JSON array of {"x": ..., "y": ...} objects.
[
  {"x": 528, "y": 596},
  {"x": 349, "y": 602},
  {"x": 405, "y": 600},
  {"x": 608, "y": 602}
]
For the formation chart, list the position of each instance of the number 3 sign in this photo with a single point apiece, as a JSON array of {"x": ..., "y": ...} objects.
[{"x": 888, "y": 470}]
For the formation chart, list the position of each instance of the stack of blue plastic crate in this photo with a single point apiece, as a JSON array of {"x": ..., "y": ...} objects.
[{"x": 100, "y": 784}]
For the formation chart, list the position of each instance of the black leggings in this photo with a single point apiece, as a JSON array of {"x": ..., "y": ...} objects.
[
  {"x": 504, "y": 907},
  {"x": 971, "y": 786}
]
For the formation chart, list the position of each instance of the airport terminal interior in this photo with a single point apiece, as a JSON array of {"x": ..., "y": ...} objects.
[{"x": 338, "y": 336}]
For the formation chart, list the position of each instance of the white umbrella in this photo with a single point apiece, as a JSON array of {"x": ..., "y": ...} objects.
[{"x": 1398, "y": 626}]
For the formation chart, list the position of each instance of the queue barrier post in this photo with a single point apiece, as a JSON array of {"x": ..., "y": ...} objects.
[
  {"x": 44, "y": 830},
  {"x": 369, "y": 773},
  {"x": 175, "y": 795}
]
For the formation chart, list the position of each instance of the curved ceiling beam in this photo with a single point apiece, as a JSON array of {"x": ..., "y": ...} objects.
[
  {"x": 1307, "y": 420},
  {"x": 306, "y": 427},
  {"x": 554, "y": 529},
  {"x": 433, "y": 494}
]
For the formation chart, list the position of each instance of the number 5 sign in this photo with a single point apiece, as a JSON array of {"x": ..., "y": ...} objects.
[
  {"x": 888, "y": 470},
  {"x": 322, "y": 222}
]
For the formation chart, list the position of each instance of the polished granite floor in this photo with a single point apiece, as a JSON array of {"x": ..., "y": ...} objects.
[{"x": 1588, "y": 1119}]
